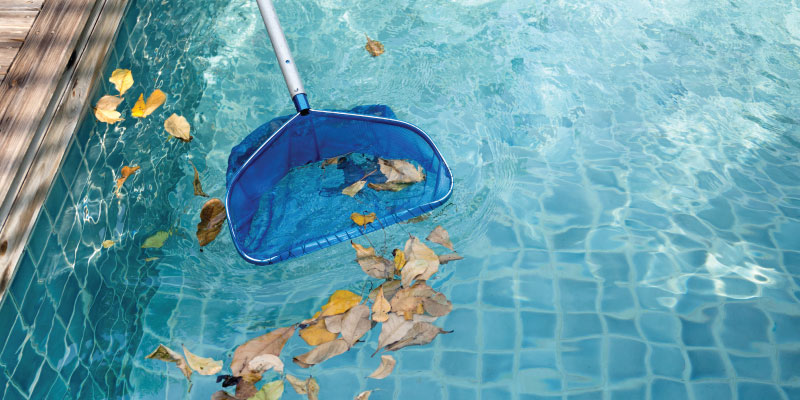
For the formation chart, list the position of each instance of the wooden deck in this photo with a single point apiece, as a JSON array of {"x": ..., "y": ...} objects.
[{"x": 16, "y": 20}]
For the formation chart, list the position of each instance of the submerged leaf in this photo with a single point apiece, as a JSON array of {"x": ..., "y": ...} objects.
[
  {"x": 331, "y": 161},
  {"x": 124, "y": 174},
  {"x": 421, "y": 333},
  {"x": 138, "y": 108},
  {"x": 372, "y": 265},
  {"x": 421, "y": 262},
  {"x": 446, "y": 258},
  {"x": 298, "y": 384},
  {"x": 381, "y": 307},
  {"x": 211, "y": 218},
  {"x": 164, "y": 353},
  {"x": 383, "y": 370},
  {"x": 270, "y": 343},
  {"x": 394, "y": 329},
  {"x": 222, "y": 395},
  {"x": 179, "y": 127},
  {"x": 374, "y": 47},
  {"x": 312, "y": 387},
  {"x": 203, "y": 366},
  {"x": 143, "y": 109},
  {"x": 122, "y": 80},
  {"x": 107, "y": 243},
  {"x": 316, "y": 333},
  {"x": 198, "y": 187},
  {"x": 355, "y": 324},
  {"x": 270, "y": 391},
  {"x": 401, "y": 171},
  {"x": 440, "y": 236},
  {"x": 362, "y": 220},
  {"x": 363, "y": 395},
  {"x": 339, "y": 302},
  {"x": 399, "y": 260},
  {"x": 388, "y": 186},
  {"x": 321, "y": 353},
  {"x": 353, "y": 189},
  {"x": 106, "y": 109},
  {"x": 265, "y": 362},
  {"x": 155, "y": 241}
]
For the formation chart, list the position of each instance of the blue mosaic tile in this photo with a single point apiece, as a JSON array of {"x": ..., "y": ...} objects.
[
  {"x": 8, "y": 312},
  {"x": 662, "y": 389},
  {"x": 498, "y": 292},
  {"x": 32, "y": 302},
  {"x": 55, "y": 199},
  {"x": 59, "y": 390},
  {"x": 459, "y": 364},
  {"x": 499, "y": 331},
  {"x": 617, "y": 299},
  {"x": 12, "y": 349},
  {"x": 639, "y": 392},
  {"x": 497, "y": 368},
  {"x": 581, "y": 325},
  {"x": 706, "y": 364},
  {"x": 70, "y": 164},
  {"x": 626, "y": 360},
  {"x": 789, "y": 362},
  {"x": 537, "y": 326},
  {"x": 752, "y": 367},
  {"x": 22, "y": 279},
  {"x": 757, "y": 391},
  {"x": 495, "y": 394},
  {"x": 56, "y": 344},
  {"x": 26, "y": 372},
  {"x": 67, "y": 300},
  {"x": 47, "y": 376},
  {"x": 667, "y": 361},
  {"x": 622, "y": 327},
  {"x": 711, "y": 390},
  {"x": 581, "y": 360},
  {"x": 12, "y": 393},
  {"x": 586, "y": 396},
  {"x": 77, "y": 379},
  {"x": 744, "y": 327},
  {"x": 659, "y": 327},
  {"x": 462, "y": 392},
  {"x": 536, "y": 292}
]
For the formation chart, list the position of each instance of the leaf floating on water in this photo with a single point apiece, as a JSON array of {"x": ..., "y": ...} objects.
[
  {"x": 394, "y": 329},
  {"x": 148, "y": 259},
  {"x": 408, "y": 301},
  {"x": 211, "y": 218},
  {"x": 355, "y": 324},
  {"x": 124, "y": 174},
  {"x": 362, "y": 220},
  {"x": 417, "y": 219},
  {"x": 312, "y": 387},
  {"x": 401, "y": 171},
  {"x": 339, "y": 302},
  {"x": 270, "y": 343},
  {"x": 270, "y": 391},
  {"x": 421, "y": 333},
  {"x": 363, "y": 395},
  {"x": 383, "y": 370},
  {"x": 437, "y": 305},
  {"x": 265, "y": 362},
  {"x": 203, "y": 366},
  {"x": 374, "y": 47},
  {"x": 353, "y": 189},
  {"x": 155, "y": 241},
  {"x": 143, "y": 109},
  {"x": 106, "y": 109},
  {"x": 317, "y": 333},
  {"x": 421, "y": 262},
  {"x": 198, "y": 187},
  {"x": 399, "y": 260},
  {"x": 107, "y": 243},
  {"x": 446, "y": 258},
  {"x": 334, "y": 323},
  {"x": 321, "y": 353},
  {"x": 164, "y": 353},
  {"x": 440, "y": 236},
  {"x": 178, "y": 127},
  {"x": 138, "y": 108},
  {"x": 389, "y": 186},
  {"x": 222, "y": 395},
  {"x": 381, "y": 307},
  {"x": 331, "y": 161},
  {"x": 122, "y": 80},
  {"x": 245, "y": 389},
  {"x": 298, "y": 384},
  {"x": 372, "y": 265},
  {"x": 389, "y": 289}
]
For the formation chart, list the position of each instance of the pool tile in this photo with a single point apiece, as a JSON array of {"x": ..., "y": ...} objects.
[
  {"x": 71, "y": 162},
  {"x": 498, "y": 292},
  {"x": 462, "y": 392},
  {"x": 43, "y": 325},
  {"x": 467, "y": 340},
  {"x": 12, "y": 393},
  {"x": 667, "y": 361},
  {"x": 59, "y": 390},
  {"x": 759, "y": 368},
  {"x": 711, "y": 390},
  {"x": 660, "y": 327},
  {"x": 706, "y": 364},
  {"x": 789, "y": 362},
  {"x": 757, "y": 391},
  {"x": 26, "y": 372},
  {"x": 617, "y": 299},
  {"x": 459, "y": 364},
  {"x": 499, "y": 330},
  {"x": 13, "y": 346},
  {"x": 56, "y": 345},
  {"x": 22, "y": 279},
  {"x": 581, "y": 361},
  {"x": 47, "y": 376},
  {"x": 8, "y": 313},
  {"x": 495, "y": 394},
  {"x": 537, "y": 326},
  {"x": 536, "y": 292},
  {"x": 621, "y": 326},
  {"x": 744, "y": 327},
  {"x": 33, "y": 302},
  {"x": 67, "y": 300},
  {"x": 697, "y": 333},
  {"x": 638, "y": 392},
  {"x": 580, "y": 325},
  {"x": 662, "y": 389},
  {"x": 55, "y": 199},
  {"x": 626, "y": 360}
]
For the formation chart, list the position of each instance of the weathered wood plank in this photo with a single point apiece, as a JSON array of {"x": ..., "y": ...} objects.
[
  {"x": 21, "y": 4},
  {"x": 7, "y": 54}
]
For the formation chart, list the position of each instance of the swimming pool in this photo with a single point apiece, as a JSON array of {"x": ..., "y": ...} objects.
[{"x": 627, "y": 200}]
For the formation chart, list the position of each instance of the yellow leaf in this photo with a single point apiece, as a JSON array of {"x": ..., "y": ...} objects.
[
  {"x": 107, "y": 243},
  {"x": 211, "y": 218},
  {"x": 421, "y": 262},
  {"x": 138, "y": 108},
  {"x": 124, "y": 174},
  {"x": 270, "y": 391},
  {"x": 155, "y": 241},
  {"x": 401, "y": 171},
  {"x": 203, "y": 366},
  {"x": 148, "y": 259},
  {"x": 362, "y": 220},
  {"x": 155, "y": 100},
  {"x": 331, "y": 161},
  {"x": 339, "y": 302},
  {"x": 122, "y": 80},
  {"x": 391, "y": 186},
  {"x": 383, "y": 370},
  {"x": 164, "y": 353},
  {"x": 353, "y": 189},
  {"x": 178, "y": 127},
  {"x": 317, "y": 334},
  {"x": 381, "y": 307},
  {"x": 374, "y": 47},
  {"x": 399, "y": 259},
  {"x": 106, "y": 109},
  {"x": 373, "y": 265}
]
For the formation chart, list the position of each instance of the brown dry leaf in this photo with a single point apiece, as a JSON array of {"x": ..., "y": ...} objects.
[
  {"x": 417, "y": 219},
  {"x": 122, "y": 80},
  {"x": 312, "y": 387},
  {"x": 440, "y": 236},
  {"x": 339, "y": 302},
  {"x": 143, "y": 109},
  {"x": 106, "y": 109},
  {"x": 394, "y": 329},
  {"x": 353, "y": 189},
  {"x": 361, "y": 219},
  {"x": 299, "y": 385},
  {"x": 316, "y": 333},
  {"x": 331, "y": 161},
  {"x": 374, "y": 47},
  {"x": 270, "y": 343},
  {"x": 179, "y": 127},
  {"x": 164, "y": 353},
  {"x": 401, "y": 171},
  {"x": 421, "y": 262},
  {"x": 203, "y": 366},
  {"x": 408, "y": 301},
  {"x": 355, "y": 324},
  {"x": 211, "y": 218},
  {"x": 245, "y": 389},
  {"x": 437, "y": 305},
  {"x": 389, "y": 289},
  {"x": 421, "y": 333},
  {"x": 383, "y": 370},
  {"x": 321, "y": 353},
  {"x": 198, "y": 187},
  {"x": 446, "y": 258},
  {"x": 124, "y": 174},
  {"x": 399, "y": 260},
  {"x": 389, "y": 186},
  {"x": 381, "y": 307},
  {"x": 222, "y": 395},
  {"x": 372, "y": 265},
  {"x": 107, "y": 243},
  {"x": 362, "y": 396},
  {"x": 334, "y": 323},
  {"x": 265, "y": 362}
]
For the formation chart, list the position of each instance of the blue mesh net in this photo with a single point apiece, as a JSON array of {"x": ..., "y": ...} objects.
[{"x": 281, "y": 202}]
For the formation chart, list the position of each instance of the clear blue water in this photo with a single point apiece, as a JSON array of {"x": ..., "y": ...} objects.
[{"x": 627, "y": 200}]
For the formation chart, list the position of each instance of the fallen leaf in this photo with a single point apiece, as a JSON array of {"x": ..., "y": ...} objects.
[
  {"x": 155, "y": 241},
  {"x": 389, "y": 289},
  {"x": 394, "y": 329},
  {"x": 211, "y": 218},
  {"x": 203, "y": 366},
  {"x": 355, "y": 324},
  {"x": 446, "y": 258},
  {"x": 299, "y": 385},
  {"x": 399, "y": 260},
  {"x": 107, "y": 243},
  {"x": 321, "y": 353},
  {"x": 178, "y": 127},
  {"x": 164, "y": 353},
  {"x": 124, "y": 174},
  {"x": 339, "y": 302},
  {"x": 400, "y": 171},
  {"x": 106, "y": 109},
  {"x": 388, "y": 186},
  {"x": 362, "y": 396},
  {"x": 270, "y": 391},
  {"x": 417, "y": 219},
  {"x": 421, "y": 333},
  {"x": 421, "y": 262},
  {"x": 372, "y": 265},
  {"x": 331, "y": 161},
  {"x": 440, "y": 236},
  {"x": 317, "y": 334},
  {"x": 353, "y": 189},
  {"x": 374, "y": 47},
  {"x": 198, "y": 187},
  {"x": 437, "y": 305},
  {"x": 362, "y": 220},
  {"x": 148, "y": 259},
  {"x": 334, "y": 323},
  {"x": 222, "y": 395},
  {"x": 122, "y": 80},
  {"x": 408, "y": 301},
  {"x": 312, "y": 387},
  {"x": 245, "y": 389},
  {"x": 383, "y": 370},
  {"x": 270, "y": 343},
  {"x": 143, "y": 109},
  {"x": 265, "y": 362},
  {"x": 381, "y": 307}
]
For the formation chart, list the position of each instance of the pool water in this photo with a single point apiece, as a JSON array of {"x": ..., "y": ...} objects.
[{"x": 627, "y": 201}]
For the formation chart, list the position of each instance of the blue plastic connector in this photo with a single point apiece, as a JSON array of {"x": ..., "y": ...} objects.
[{"x": 301, "y": 103}]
